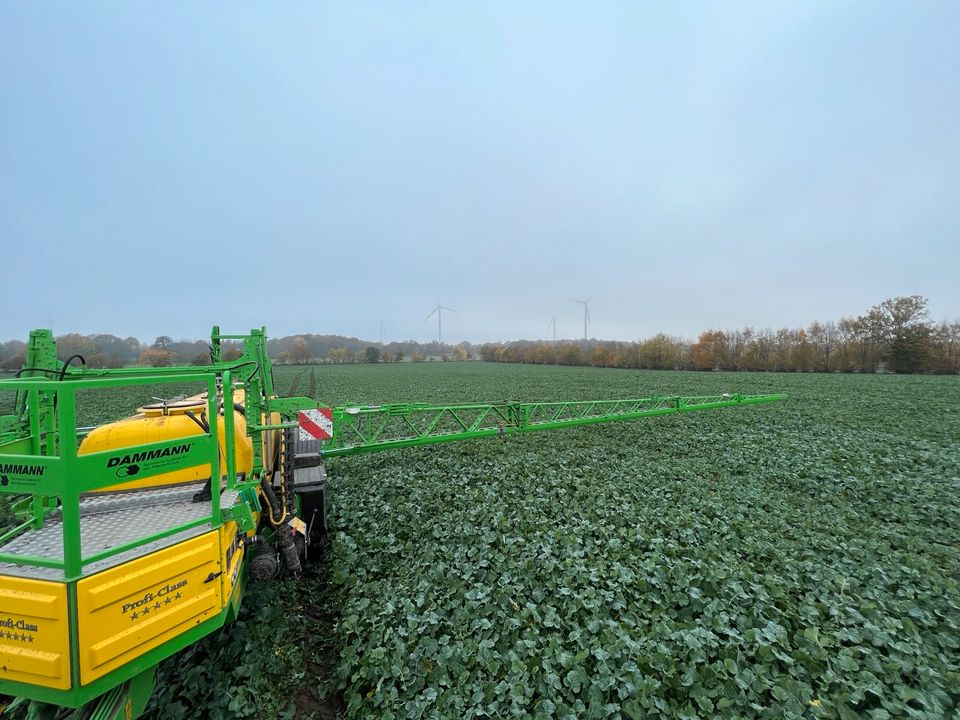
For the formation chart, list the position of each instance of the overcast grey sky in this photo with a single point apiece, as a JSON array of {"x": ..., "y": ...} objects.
[{"x": 321, "y": 167}]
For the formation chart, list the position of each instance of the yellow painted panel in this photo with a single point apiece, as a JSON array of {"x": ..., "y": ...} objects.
[
  {"x": 125, "y": 611},
  {"x": 34, "y": 632},
  {"x": 232, "y": 548}
]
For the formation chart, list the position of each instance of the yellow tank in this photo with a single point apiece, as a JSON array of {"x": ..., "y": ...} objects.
[{"x": 168, "y": 421}]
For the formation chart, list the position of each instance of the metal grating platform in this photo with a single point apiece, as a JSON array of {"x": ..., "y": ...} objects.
[{"x": 107, "y": 521}]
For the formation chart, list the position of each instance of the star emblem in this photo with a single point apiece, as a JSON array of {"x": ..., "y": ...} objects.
[
  {"x": 177, "y": 596},
  {"x": 167, "y": 601},
  {"x": 135, "y": 616},
  {"x": 146, "y": 610},
  {"x": 156, "y": 606},
  {"x": 30, "y": 638}
]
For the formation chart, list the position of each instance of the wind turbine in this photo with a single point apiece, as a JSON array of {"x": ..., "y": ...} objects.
[
  {"x": 439, "y": 311},
  {"x": 586, "y": 313},
  {"x": 553, "y": 324}
]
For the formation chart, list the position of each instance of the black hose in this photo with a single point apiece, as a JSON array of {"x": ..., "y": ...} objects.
[
  {"x": 21, "y": 371},
  {"x": 63, "y": 370},
  {"x": 285, "y": 533},
  {"x": 204, "y": 425},
  {"x": 233, "y": 368},
  {"x": 240, "y": 409},
  {"x": 271, "y": 498},
  {"x": 61, "y": 373}
]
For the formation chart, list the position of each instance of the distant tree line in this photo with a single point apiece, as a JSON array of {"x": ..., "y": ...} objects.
[
  {"x": 308, "y": 348},
  {"x": 108, "y": 351},
  {"x": 894, "y": 336}
]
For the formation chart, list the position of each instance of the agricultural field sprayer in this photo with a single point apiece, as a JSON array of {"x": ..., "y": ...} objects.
[{"x": 136, "y": 538}]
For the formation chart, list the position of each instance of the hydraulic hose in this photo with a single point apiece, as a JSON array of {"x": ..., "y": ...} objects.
[
  {"x": 285, "y": 533},
  {"x": 63, "y": 370}
]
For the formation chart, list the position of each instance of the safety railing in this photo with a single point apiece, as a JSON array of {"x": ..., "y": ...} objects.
[{"x": 54, "y": 476}]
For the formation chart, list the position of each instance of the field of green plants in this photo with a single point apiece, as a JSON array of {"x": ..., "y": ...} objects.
[{"x": 800, "y": 559}]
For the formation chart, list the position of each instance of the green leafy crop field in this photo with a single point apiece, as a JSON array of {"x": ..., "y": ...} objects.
[
  {"x": 799, "y": 559},
  {"x": 793, "y": 560}
]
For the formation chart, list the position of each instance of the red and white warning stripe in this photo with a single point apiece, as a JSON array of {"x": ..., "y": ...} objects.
[{"x": 316, "y": 424}]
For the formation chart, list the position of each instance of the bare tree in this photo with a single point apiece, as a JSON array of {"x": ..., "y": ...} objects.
[{"x": 823, "y": 339}]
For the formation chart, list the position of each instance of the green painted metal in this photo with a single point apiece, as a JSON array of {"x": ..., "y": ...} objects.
[
  {"x": 364, "y": 429},
  {"x": 128, "y": 700},
  {"x": 39, "y": 450},
  {"x": 228, "y": 427},
  {"x": 242, "y": 515},
  {"x": 93, "y": 471}
]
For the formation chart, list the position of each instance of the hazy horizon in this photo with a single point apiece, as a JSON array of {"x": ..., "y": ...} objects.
[
  {"x": 326, "y": 168},
  {"x": 386, "y": 341}
]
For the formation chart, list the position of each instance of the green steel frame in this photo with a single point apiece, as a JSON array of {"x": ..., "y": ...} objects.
[
  {"x": 40, "y": 440},
  {"x": 39, "y": 446},
  {"x": 364, "y": 429}
]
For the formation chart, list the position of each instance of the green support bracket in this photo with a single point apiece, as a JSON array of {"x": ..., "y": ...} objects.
[{"x": 242, "y": 514}]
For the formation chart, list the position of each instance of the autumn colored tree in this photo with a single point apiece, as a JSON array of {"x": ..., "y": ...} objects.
[
  {"x": 156, "y": 357},
  {"x": 660, "y": 353},
  {"x": 709, "y": 350}
]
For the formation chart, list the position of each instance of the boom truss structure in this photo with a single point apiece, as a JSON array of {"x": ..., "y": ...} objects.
[{"x": 373, "y": 428}]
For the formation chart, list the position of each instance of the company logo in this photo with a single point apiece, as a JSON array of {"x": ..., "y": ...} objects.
[
  {"x": 130, "y": 465},
  {"x": 155, "y": 600},
  {"x": 18, "y": 625},
  {"x": 20, "y": 469},
  {"x": 17, "y": 630}
]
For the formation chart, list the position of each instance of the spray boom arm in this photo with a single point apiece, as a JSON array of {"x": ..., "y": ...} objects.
[{"x": 372, "y": 428}]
